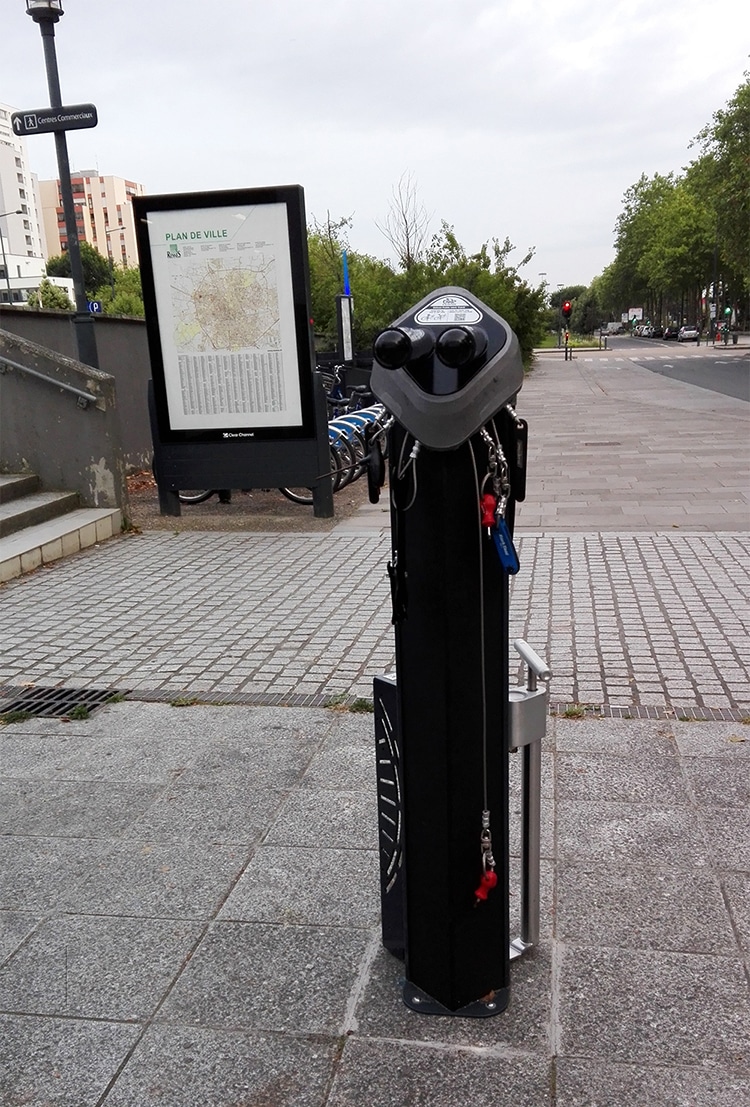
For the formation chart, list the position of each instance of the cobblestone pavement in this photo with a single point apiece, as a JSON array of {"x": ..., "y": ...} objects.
[
  {"x": 652, "y": 615},
  {"x": 626, "y": 620}
]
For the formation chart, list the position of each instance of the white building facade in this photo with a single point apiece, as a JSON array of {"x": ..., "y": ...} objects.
[
  {"x": 23, "y": 247},
  {"x": 104, "y": 215}
]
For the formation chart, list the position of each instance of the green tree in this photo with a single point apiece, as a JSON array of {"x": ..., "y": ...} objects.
[
  {"x": 722, "y": 174},
  {"x": 122, "y": 293},
  {"x": 94, "y": 265},
  {"x": 678, "y": 255},
  {"x": 381, "y": 294},
  {"x": 588, "y": 312},
  {"x": 326, "y": 243},
  {"x": 50, "y": 296}
]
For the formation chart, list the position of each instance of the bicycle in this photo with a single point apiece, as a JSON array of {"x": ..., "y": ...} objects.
[
  {"x": 199, "y": 496},
  {"x": 351, "y": 411},
  {"x": 350, "y": 438}
]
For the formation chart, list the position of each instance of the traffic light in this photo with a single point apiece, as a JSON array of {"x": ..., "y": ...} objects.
[
  {"x": 727, "y": 311},
  {"x": 567, "y": 309}
]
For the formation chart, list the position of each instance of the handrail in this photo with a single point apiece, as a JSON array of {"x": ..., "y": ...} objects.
[{"x": 84, "y": 398}]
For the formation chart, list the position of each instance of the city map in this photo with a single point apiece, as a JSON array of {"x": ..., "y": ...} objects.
[{"x": 226, "y": 315}]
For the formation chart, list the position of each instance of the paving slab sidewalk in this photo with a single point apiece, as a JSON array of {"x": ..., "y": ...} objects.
[{"x": 189, "y": 916}]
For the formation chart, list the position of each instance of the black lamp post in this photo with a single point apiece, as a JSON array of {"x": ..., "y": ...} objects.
[{"x": 46, "y": 13}]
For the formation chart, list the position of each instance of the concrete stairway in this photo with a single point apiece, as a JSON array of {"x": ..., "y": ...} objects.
[{"x": 38, "y": 527}]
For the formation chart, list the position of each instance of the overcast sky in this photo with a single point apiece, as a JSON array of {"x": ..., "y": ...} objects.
[{"x": 519, "y": 118}]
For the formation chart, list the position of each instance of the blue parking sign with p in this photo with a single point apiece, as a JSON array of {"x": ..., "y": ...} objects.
[{"x": 95, "y": 306}]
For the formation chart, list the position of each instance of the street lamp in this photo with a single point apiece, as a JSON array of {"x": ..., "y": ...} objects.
[
  {"x": 18, "y": 211},
  {"x": 110, "y": 231},
  {"x": 46, "y": 13}
]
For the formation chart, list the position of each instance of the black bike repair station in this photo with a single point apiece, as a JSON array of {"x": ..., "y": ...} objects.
[{"x": 448, "y": 372}]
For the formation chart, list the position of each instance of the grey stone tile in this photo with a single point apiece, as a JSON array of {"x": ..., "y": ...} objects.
[
  {"x": 338, "y": 766},
  {"x": 654, "y": 779},
  {"x": 282, "y": 978},
  {"x": 525, "y": 1024},
  {"x": 737, "y": 888},
  {"x": 719, "y": 781},
  {"x": 194, "y": 1067},
  {"x": 630, "y": 833},
  {"x": 615, "y": 736},
  {"x": 389, "y": 1074},
  {"x": 35, "y": 873},
  {"x": 316, "y": 817},
  {"x": 158, "y": 879},
  {"x": 728, "y": 833},
  {"x": 25, "y": 753},
  {"x": 135, "y": 758},
  {"x": 712, "y": 739},
  {"x": 586, "y": 1083},
  {"x": 276, "y": 762},
  {"x": 81, "y": 809},
  {"x": 645, "y": 1007},
  {"x": 212, "y": 811},
  {"x": 59, "y": 1062},
  {"x": 95, "y": 967},
  {"x": 641, "y": 907},
  {"x": 14, "y": 927},
  {"x": 14, "y": 795},
  {"x": 319, "y": 887}
]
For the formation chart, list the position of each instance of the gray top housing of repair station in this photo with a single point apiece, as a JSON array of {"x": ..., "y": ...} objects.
[{"x": 446, "y": 367}]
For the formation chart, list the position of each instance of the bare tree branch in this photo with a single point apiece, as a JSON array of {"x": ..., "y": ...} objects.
[{"x": 407, "y": 223}]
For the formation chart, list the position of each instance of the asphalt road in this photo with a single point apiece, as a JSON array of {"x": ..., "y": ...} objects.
[{"x": 721, "y": 370}]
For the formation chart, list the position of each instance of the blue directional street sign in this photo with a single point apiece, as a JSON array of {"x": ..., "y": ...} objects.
[
  {"x": 42, "y": 120},
  {"x": 95, "y": 306}
]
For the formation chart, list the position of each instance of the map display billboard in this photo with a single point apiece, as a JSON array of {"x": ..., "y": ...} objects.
[{"x": 225, "y": 286}]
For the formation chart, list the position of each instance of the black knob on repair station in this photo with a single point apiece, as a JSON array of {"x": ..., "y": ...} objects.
[
  {"x": 460, "y": 346},
  {"x": 398, "y": 346}
]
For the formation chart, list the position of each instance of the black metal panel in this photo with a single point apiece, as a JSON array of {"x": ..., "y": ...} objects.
[
  {"x": 243, "y": 464},
  {"x": 452, "y": 666},
  {"x": 390, "y": 812}
]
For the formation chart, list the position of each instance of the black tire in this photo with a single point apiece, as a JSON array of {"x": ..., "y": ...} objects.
[
  {"x": 195, "y": 497},
  {"x": 304, "y": 496},
  {"x": 298, "y": 495}
]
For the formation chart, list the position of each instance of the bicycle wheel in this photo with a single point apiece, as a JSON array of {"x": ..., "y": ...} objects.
[
  {"x": 198, "y": 496},
  {"x": 356, "y": 439},
  {"x": 345, "y": 456},
  {"x": 304, "y": 496}
]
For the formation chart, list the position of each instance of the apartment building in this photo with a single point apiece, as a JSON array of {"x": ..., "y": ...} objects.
[
  {"x": 104, "y": 215},
  {"x": 22, "y": 239}
]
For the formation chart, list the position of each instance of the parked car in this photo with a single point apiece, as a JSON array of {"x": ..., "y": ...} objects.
[
  {"x": 670, "y": 332},
  {"x": 657, "y": 332},
  {"x": 688, "y": 334}
]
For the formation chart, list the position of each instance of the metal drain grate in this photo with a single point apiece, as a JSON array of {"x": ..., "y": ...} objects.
[{"x": 54, "y": 703}]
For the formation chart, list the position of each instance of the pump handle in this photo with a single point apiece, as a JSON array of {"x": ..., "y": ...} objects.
[{"x": 540, "y": 668}]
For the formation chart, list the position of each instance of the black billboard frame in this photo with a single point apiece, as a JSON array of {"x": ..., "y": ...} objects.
[{"x": 238, "y": 456}]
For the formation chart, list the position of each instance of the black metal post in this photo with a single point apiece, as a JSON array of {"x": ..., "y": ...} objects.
[
  {"x": 452, "y": 663},
  {"x": 82, "y": 321}
]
